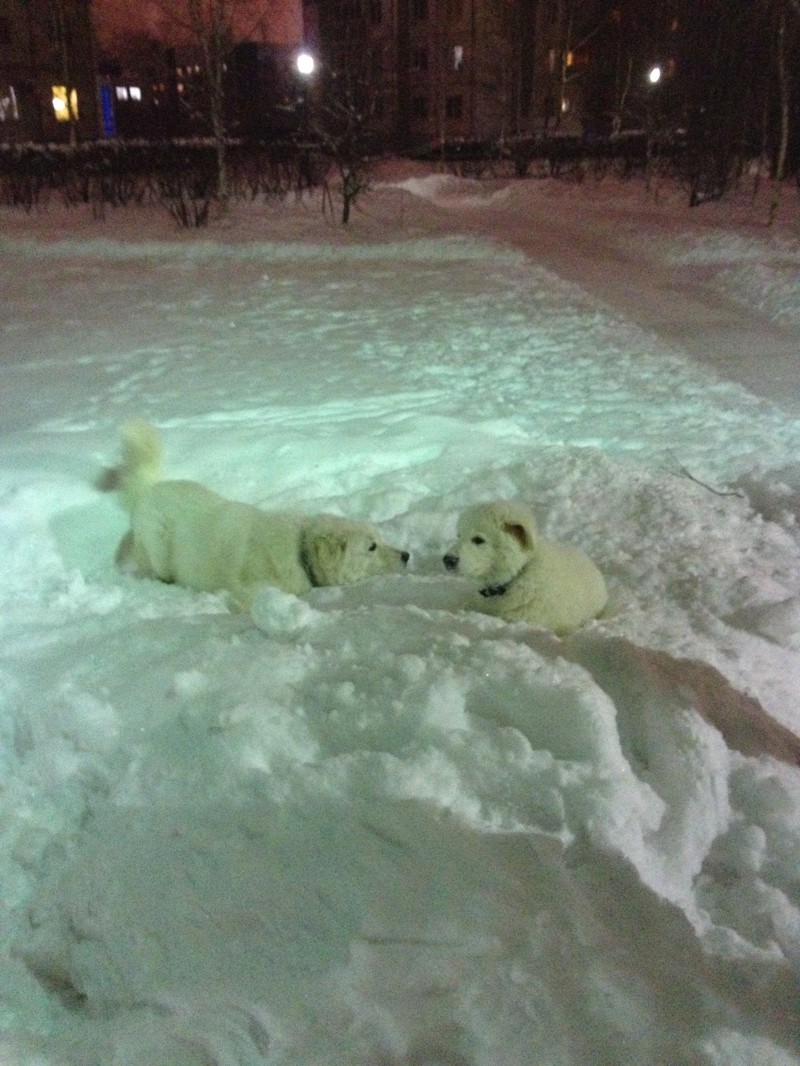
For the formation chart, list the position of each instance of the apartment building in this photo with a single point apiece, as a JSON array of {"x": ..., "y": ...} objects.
[
  {"x": 48, "y": 84},
  {"x": 444, "y": 70}
]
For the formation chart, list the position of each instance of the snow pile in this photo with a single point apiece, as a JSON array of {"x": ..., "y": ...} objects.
[{"x": 373, "y": 826}]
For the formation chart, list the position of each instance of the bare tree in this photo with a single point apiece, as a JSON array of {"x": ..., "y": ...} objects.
[
  {"x": 344, "y": 125},
  {"x": 732, "y": 86},
  {"x": 576, "y": 59},
  {"x": 785, "y": 61},
  {"x": 787, "y": 42},
  {"x": 212, "y": 27},
  {"x": 345, "y": 103},
  {"x": 632, "y": 40},
  {"x": 210, "y": 22}
]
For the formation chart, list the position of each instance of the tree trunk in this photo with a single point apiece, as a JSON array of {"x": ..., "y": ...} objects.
[
  {"x": 784, "y": 91},
  {"x": 210, "y": 25}
]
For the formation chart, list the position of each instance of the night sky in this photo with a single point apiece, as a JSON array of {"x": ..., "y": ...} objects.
[{"x": 279, "y": 21}]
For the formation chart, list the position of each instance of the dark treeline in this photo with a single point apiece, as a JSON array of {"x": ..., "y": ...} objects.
[
  {"x": 181, "y": 177},
  {"x": 729, "y": 83}
]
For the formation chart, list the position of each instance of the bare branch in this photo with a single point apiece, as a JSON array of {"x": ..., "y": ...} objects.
[{"x": 683, "y": 472}]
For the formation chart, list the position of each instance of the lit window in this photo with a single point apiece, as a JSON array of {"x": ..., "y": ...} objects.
[
  {"x": 122, "y": 92},
  {"x": 135, "y": 92},
  {"x": 458, "y": 57},
  {"x": 8, "y": 104},
  {"x": 60, "y": 107}
]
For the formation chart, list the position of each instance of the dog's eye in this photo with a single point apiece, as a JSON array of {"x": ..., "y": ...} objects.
[
  {"x": 373, "y": 547},
  {"x": 478, "y": 540}
]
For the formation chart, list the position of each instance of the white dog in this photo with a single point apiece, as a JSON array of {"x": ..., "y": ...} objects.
[
  {"x": 523, "y": 576},
  {"x": 184, "y": 533}
]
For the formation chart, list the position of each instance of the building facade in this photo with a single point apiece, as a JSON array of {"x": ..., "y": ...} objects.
[
  {"x": 48, "y": 82},
  {"x": 450, "y": 70},
  {"x": 157, "y": 92}
]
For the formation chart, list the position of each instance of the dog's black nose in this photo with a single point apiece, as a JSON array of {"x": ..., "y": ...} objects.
[
  {"x": 450, "y": 561},
  {"x": 405, "y": 556}
]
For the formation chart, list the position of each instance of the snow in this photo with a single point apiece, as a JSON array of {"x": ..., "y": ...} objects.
[{"x": 373, "y": 827}]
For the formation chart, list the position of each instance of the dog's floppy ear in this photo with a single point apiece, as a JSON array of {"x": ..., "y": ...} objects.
[
  {"x": 521, "y": 533},
  {"x": 325, "y": 551},
  {"x": 109, "y": 479}
]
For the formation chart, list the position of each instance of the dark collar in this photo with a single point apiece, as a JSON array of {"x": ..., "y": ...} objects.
[{"x": 498, "y": 590}]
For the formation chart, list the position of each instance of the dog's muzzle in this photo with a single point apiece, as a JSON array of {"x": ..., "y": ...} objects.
[{"x": 450, "y": 562}]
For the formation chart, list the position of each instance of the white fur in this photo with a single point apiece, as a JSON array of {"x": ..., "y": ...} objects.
[
  {"x": 522, "y": 575},
  {"x": 184, "y": 533}
]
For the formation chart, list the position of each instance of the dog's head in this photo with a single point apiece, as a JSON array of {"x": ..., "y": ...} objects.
[
  {"x": 494, "y": 541},
  {"x": 338, "y": 552}
]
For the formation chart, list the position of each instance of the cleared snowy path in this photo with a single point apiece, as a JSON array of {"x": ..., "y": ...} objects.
[
  {"x": 740, "y": 344},
  {"x": 593, "y": 245}
]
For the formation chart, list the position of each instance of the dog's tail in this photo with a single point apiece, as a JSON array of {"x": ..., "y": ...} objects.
[{"x": 140, "y": 467}]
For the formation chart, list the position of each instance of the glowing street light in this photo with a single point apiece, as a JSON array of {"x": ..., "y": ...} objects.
[
  {"x": 654, "y": 74},
  {"x": 305, "y": 64}
]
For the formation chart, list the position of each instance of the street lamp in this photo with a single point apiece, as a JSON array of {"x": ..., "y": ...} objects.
[
  {"x": 305, "y": 64},
  {"x": 654, "y": 74}
]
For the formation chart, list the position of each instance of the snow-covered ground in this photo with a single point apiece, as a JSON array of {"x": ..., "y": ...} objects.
[{"x": 373, "y": 827}]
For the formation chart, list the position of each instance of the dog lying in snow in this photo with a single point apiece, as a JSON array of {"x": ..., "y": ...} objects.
[
  {"x": 522, "y": 576},
  {"x": 184, "y": 533}
]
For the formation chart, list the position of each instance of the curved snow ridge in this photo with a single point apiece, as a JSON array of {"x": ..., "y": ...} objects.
[
  {"x": 467, "y": 801},
  {"x": 442, "y": 249},
  {"x": 448, "y": 190},
  {"x": 770, "y": 288},
  {"x": 759, "y": 270},
  {"x": 728, "y": 246},
  {"x": 574, "y": 702}
]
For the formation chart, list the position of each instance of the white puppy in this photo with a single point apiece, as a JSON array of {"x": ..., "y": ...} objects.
[
  {"x": 184, "y": 533},
  {"x": 522, "y": 576}
]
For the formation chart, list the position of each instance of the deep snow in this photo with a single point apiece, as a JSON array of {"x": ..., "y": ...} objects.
[{"x": 376, "y": 827}]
